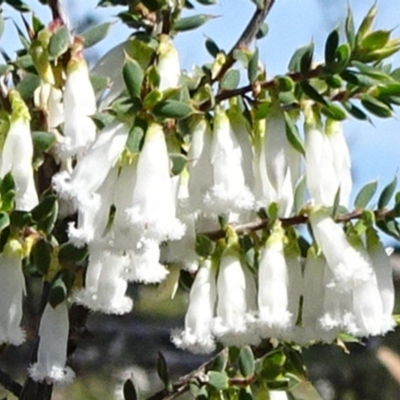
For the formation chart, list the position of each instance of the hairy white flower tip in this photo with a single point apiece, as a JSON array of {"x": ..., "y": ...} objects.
[
  {"x": 243, "y": 332},
  {"x": 349, "y": 267},
  {"x": 144, "y": 265},
  {"x": 188, "y": 340},
  {"x": 54, "y": 375},
  {"x": 79, "y": 237},
  {"x": 104, "y": 286},
  {"x": 52, "y": 350},
  {"x": 218, "y": 200}
]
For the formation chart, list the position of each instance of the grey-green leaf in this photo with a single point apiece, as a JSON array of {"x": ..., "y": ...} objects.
[
  {"x": 4, "y": 220},
  {"x": 43, "y": 141},
  {"x": 387, "y": 194},
  {"x": 246, "y": 361},
  {"x": 365, "y": 195},
  {"x": 59, "y": 42},
  {"x": 218, "y": 380},
  {"x": 230, "y": 80},
  {"x": 133, "y": 77},
  {"x": 189, "y": 23},
  {"x": 162, "y": 370},
  {"x": 292, "y": 134},
  {"x": 41, "y": 256},
  {"x": 96, "y": 34},
  {"x": 172, "y": 109},
  {"x": 252, "y": 71},
  {"x": 204, "y": 245}
]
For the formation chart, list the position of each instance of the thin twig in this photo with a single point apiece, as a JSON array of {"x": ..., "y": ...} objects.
[
  {"x": 247, "y": 36},
  {"x": 58, "y": 11},
  {"x": 296, "y": 220},
  {"x": 13, "y": 387}
]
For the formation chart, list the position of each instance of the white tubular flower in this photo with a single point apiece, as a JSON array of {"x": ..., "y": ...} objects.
[
  {"x": 144, "y": 263},
  {"x": 79, "y": 105},
  {"x": 274, "y": 317},
  {"x": 277, "y": 395},
  {"x": 197, "y": 336},
  {"x": 105, "y": 288},
  {"x": 49, "y": 99},
  {"x": 199, "y": 166},
  {"x": 153, "y": 209},
  {"x": 17, "y": 153},
  {"x": 348, "y": 266},
  {"x": 241, "y": 130},
  {"x": 313, "y": 301},
  {"x": 384, "y": 275},
  {"x": 319, "y": 162},
  {"x": 229, "y": 190},
  {"x": 236, "y": 289},
  {"x": 92, "y": 169},
  {"x": 168, "y": 65},
  {"x": 276, "y": 152},
  {"x": 12, "y": 289},
  {"x": 341, "y": 158},
  {"x": 93, "y": 216},
  {"x": 52, "y": 351}
]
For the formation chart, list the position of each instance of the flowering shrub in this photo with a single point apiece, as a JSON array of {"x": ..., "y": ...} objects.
[{"x": 136, "y": 168}]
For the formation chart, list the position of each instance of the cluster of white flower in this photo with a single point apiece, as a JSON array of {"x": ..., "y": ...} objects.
[{"x": 135, "y": 219}]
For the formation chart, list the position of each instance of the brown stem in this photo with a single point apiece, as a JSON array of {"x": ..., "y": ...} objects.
[
  {"x": 296, "y": 220},
  {"x": 57, "y": 11},
  {"x": 247, "y": 36}
]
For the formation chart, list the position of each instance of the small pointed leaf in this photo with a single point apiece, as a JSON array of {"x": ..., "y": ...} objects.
[
  {"x": 96, "y": 34},
  {"x": 246, "y": 362},
  {"x": 41, "y": 256},
  {"x": 230, "y": 80},
  {"x": 59, "y": 42},
  {"x": 189, "y": 23},
  {"x": 218, "y": 380},
  {"x": 129, "y": 390},
  {"x": 172, "y": 109},
  {"x": 387, "y": 194},
  {"x": 365, "y": 195}
]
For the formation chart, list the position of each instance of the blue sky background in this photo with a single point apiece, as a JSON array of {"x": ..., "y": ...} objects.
[{"x": 375, "y": 149}]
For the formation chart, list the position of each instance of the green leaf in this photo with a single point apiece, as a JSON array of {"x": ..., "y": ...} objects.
[
  {"x": 295, "y": 61},
  {"x": 306, "y": 58},
  {"x": 4, "y": 220},
  {"x": 375, "y": 40},
  {"x": 218, "y": 380},
  {"x": 375, "y": 106},
  {"x": 189, "y": 23},
  {"x": 212, "y": 47},
  {"x": 129, "y": 390},
  {"x": 69, "y": 253},
  {"x": 292, "y": 134},
  {"x": 133, "y": 77},
  {"x": 312, "y": 93},
  {"x": 43, "y": 141},
  {"x": 389, "y": 89},
  {"x": 221, "y": 361},
  {"x": 162, "y": 370},
  {"x": 334, "y": 111},
  {"x": 96, "y": 34},
  {"x": 41, "y": 256},
  {"x": 246, "y": 393},
  {"x": 204, "y": 245},
  {"x": 20, "y": 219},
  {"x": 99, "y": 83},
  {"x": 390, "y": 227},
  {"x": 18, "y": 5},
  {"x": 366, "y": 24},
  {"x": 355, "y": 111},
  {"x": 350, "y": 29},
  {"x": 30, "y": 82},
  {"x": 59, "y": 42},
  {"x": 387, "y": 194},
  {"x": 44, "y": 209},
  {"x": 246, "y": 362},
  {"x": 230, "y": 80},
  {"x": 365, "y": 195},
  {"x": 172, "y": 109},
  {"x": 7, "y": 184},
  {"x": 135, "y": 139},
  {"x": 179, "y": 162},
  {"x": 207, "y": 2},
  {"x": 252, "y": 71},
  {"x": 262, "y": 31},
  {"x": 299, "y": 194},
  {"x": 332, "y": 43},
  {"x": 58, "y": 292}
]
